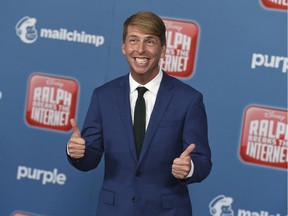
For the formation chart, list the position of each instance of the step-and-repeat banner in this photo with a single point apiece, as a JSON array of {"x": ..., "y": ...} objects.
[{"x": 54, "y": 53}]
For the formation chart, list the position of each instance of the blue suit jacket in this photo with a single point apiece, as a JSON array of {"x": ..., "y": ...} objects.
[{"x": 145, "y": 186}]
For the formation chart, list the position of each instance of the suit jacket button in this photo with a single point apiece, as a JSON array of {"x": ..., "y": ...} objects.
[
  {"x": 133, "y": 199},
  {"x": 138, "y": 173}
]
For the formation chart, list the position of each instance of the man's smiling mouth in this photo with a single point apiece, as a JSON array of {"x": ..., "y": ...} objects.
[{"x": 141, "y": 61}]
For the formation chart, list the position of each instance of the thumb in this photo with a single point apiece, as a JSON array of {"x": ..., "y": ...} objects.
[
  {"x": 188, "y": 150},
  {"x": 76, "y": 133}
]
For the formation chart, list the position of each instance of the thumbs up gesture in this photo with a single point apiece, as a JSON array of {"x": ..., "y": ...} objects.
[
  {"x": 76, "y": 145},
  {"x": 182, "y": 165}
]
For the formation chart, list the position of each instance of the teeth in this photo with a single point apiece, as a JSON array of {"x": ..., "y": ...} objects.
[{"x": 141, "y": 60}]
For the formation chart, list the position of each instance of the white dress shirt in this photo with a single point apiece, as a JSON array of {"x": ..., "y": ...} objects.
[{"x": 149, "y": 96}]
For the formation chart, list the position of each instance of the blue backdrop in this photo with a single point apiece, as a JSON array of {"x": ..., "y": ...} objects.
[{"x": 54, "y": 53}]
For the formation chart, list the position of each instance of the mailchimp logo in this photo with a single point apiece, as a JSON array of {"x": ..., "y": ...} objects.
[
  {"x": 221, "y": 206},
  {"x": 26, "y": 30}
]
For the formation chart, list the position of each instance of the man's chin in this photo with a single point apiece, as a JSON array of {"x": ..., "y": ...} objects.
[{"x": 140, "y": 71}]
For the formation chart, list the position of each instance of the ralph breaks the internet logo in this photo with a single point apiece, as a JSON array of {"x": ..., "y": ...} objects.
[
  {"x": 265, "y": 137},
  {"x": 51, "y": 102},
  {"x": 181, "y": 39},
  {"x": 275, "y": 4}
]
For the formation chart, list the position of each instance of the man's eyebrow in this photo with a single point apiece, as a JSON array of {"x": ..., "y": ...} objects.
[
  {"x": 146, "y": 37},
  {"x": 151, "y": 37},
  {"x": 133, "y": 36}
]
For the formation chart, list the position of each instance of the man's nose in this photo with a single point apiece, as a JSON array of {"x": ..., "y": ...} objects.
[{"x": 141, "y": 47}]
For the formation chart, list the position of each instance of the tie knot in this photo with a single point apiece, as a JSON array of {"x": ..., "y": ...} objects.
[{"x": 141, "y": 91}]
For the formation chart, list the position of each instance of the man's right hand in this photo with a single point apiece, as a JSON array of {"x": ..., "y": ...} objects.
[{"x": 76, "y": 145}]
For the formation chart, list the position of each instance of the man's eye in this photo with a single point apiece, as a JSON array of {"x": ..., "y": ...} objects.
[
  {"x": 150, "y": 42},
  {"x": 132, "y": 40}
]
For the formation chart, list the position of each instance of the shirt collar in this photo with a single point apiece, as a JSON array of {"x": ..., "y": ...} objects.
[{"x": 152, "y": 86}]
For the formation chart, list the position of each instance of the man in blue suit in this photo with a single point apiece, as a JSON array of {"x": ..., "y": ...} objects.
[{"x": 150, "y": 180}]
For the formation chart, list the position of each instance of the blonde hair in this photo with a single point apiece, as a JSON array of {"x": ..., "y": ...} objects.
[{"x": 149, "y": 23}]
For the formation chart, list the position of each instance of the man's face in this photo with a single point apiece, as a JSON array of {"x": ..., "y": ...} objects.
[{"x": 143, "y": 53}]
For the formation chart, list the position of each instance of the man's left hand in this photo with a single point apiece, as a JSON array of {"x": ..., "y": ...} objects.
[{"x": 182, "y": 165}]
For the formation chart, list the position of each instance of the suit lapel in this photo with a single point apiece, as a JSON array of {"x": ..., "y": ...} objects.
[
  {"x": 123, "y": 94},
  {"x": 162, "y": 101}
]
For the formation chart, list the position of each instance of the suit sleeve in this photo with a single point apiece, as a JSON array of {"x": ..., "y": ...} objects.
[
  {"x": 93, "y": 136},
  {"x": 196, "y": 131}
]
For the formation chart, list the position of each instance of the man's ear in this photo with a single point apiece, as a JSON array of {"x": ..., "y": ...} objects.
[
  {"x": 123, "y": 48},
  {"x": 163, "y": 51}
]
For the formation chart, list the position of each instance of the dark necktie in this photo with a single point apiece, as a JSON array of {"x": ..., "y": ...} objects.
[{"x": 139, "y": 119}]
